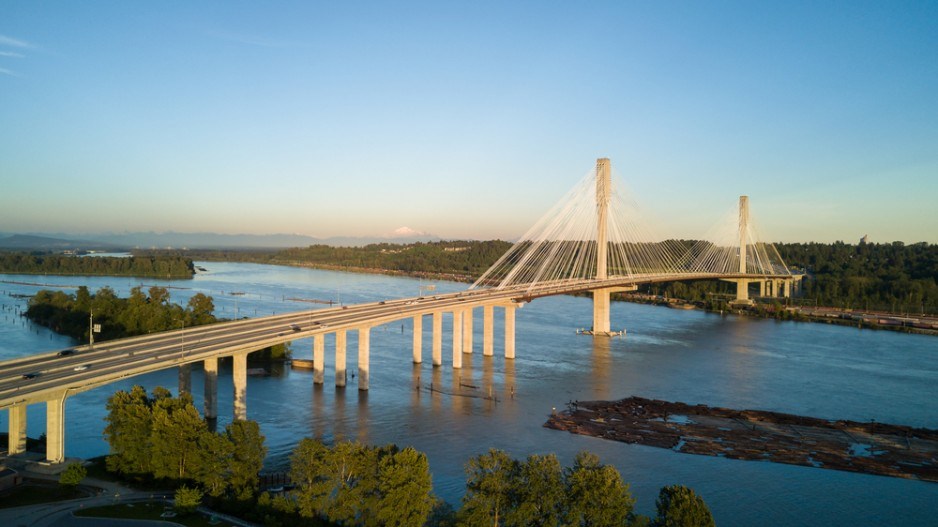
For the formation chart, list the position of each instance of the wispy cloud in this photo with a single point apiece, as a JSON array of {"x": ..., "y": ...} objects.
[
  {"x": 14, "y": 42},
  {"x": 4, "y": 71},
  {"x": 11, "y": 54}
]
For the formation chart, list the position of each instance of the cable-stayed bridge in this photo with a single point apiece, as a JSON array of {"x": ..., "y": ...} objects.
[{"x": 592, "y": 240}]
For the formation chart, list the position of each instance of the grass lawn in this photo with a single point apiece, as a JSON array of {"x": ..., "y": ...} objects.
[{"x": 147, "y": 511}]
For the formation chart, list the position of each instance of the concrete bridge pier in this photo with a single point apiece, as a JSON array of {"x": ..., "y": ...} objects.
[
  {"x": 319, "y": 359},
  {"x": 457, "y": 339},
  {"x": 340, "y": 369},
  {"x": 488, "y": 324},
  {"x": 510, "y": 331},
  {"x": 418, "y": 339},
  {"x": 437, "y": 338},
  {"x": 601, "y": 312},
  {"x": 786, "y": 288},
  {"x": 210, "y": 380},
  {"x": 467, "y": 331},
  {"x": 239, "y": 373},
  {"x": 55, "y": 429},
  {"x": 17, "y": 432},
  {"x": 185, "y": 378},
  {"x": 364, "y": 351}
]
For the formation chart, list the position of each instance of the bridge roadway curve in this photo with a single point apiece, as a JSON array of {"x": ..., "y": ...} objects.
[{"x": 38, "y": 378}]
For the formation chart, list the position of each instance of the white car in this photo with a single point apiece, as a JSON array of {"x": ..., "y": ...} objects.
[{"x": 83, "y": 367}]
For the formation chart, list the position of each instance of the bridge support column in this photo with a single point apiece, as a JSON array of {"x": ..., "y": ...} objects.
[
  {"x": 185, "y": 378},
  {"x": 364, "y": 351},
  {"x": 340, "y": 370},
  {"x": 438, "y": 338},
  {"x": 601, "y": 325},
  {"x": 210, "y": 381},
  {"x": 510, "y": 332},
  {"x": 457, "y": 339},
  {"x": 467, "y": 331},
  {"x": 239, "y": 374},
  {"x": 418, "y": 339},
  {"x": 319, "y": 359},
  {"x": 55, "y": 429},
  {"x": 17, "y": 432},
  {"x": 761, "y": 287},
  {"x": 786, "y": 288},
  {"x": 488, "y": 324},
  {"x": 742, "y": 284}
]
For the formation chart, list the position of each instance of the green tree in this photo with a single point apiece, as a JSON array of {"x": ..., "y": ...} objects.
[
  {"x": 539, "y": 493},
  {"x": 213, "y": 471},
  {"x": 406, "y": 489},
  {"x": 73, "y": 474},
  {"x": 679, "y": 506},
  {"x": 177, "y": 427},
  {"x": 130, "y": 422},
  {"x": 488, "y": 489},
  {"x": 187, "y": 499},
  {"x": 308, "y": 466},
  {"x": 247, "y": 457},
  {"x": 596, "y": 495}
]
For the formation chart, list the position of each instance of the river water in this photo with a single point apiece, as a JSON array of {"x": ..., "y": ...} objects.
[{"x": 817, "y": 370}]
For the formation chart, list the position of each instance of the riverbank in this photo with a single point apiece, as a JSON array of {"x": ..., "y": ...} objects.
[{"x": 869, "y": 447}]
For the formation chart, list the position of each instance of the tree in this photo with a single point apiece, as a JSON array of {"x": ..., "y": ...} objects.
[
  {"x": 406, "y": 489},
  {"x": 596, "y": 495},
  {"x": 187, "y": 500},
  {"x": 308, "y": 471},
  {"x": 128, "y": 431},
  {"x": 539, "y": 493},
  {"x": 679, "y": 506},
  {"x": 177, "y": 427},
  {"x": 488, "y": 489},
  {"x": 213, "y": 471},
  {"x": 73, "y": 474},
  {"x": 247, "y": 457}
]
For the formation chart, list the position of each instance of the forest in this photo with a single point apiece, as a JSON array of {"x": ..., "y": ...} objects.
[
  {"x": 892, "y": 277},
  {"x": 162, "y": 441},
  {"x": 138, "y": 314},
  {"x": 152, "y": 266}
]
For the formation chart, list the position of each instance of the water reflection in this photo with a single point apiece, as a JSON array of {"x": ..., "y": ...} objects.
[
  {"x": 601, "y": 365},
  {"x": 363, "y": 417}
]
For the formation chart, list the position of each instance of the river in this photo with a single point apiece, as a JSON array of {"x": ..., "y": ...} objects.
[{"x": 818, "y": 370}]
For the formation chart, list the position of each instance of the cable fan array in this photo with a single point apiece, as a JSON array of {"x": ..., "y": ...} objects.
[{"x": 562, "y": 246}]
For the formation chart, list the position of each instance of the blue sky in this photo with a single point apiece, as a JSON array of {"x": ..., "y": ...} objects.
[{"x": 467, "y": 119}]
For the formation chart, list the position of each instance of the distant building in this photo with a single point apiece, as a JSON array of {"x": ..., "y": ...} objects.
[{"x": 864, "y": 239}]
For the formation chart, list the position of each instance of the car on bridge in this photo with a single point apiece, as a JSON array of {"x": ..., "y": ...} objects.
[
  {"x": 83, "y": 367},
  {"x": 294, "y": 327},
  {"x": 67, "y": 352},
  {"x": 31, "y": 375}
]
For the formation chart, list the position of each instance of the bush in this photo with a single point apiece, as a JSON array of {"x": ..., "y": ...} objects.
[
  {"x": 73, "y": 475},
  {"x": 187, "y": 499}
]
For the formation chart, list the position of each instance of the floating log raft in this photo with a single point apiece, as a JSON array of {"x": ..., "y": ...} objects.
[{"x": 870, "y": 448}]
